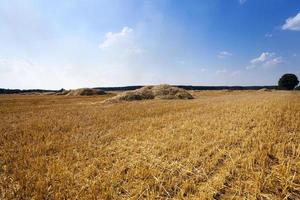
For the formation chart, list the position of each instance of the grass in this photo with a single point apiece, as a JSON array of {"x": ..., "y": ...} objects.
[{"x": 221, "y": 145}]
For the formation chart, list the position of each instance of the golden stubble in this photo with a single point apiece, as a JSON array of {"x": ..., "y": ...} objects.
[{"x": 220, "y": 145}]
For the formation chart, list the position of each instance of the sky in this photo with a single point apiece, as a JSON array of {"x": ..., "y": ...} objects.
[{"x": 98, "y": 43}]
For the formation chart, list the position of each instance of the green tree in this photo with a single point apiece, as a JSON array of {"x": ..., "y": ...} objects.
[{"x": 288, "y": 82}]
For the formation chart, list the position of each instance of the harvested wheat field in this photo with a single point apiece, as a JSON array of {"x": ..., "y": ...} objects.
[{"x": 220, "y": 145}]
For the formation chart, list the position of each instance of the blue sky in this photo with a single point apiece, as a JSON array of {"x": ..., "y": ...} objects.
[{"x": 89, "y": 43}]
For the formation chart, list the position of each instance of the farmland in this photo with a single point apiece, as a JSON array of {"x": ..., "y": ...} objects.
[{"x": 220, "y": 145}]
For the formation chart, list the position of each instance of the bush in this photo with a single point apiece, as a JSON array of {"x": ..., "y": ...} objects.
[{"x": 288, "y": 82}]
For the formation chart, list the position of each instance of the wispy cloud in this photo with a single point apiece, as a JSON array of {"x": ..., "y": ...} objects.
[
  {"x": 292, "y": 23},
  {"x": 112, "y": 39},
  {"x": 121, "y": 43},
  {"x": 228, "y": 73},
  {"x": 249, "y": 67},
  {"x": 274, "y": 61},
  {"x": 236, "y": 73},
  {"x": 34, "y": 75},
  {"x": 224, "y": 54},
  {"x": 221, "y": 71},
  {"x": 268, "y": 35},
  {"x": 202, "y": 69},
  {"x": 266, "y": 59},
  {"x": 242, "y": 1}
]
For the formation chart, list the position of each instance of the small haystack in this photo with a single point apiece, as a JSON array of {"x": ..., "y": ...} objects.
[
  {"x": 152, "y": 92},
  {"x": 63, "y": 92},
  {"x": 226, "y": 90},
  {"x": 84, "y": 92},
  {"x": 264, "y": 90}
]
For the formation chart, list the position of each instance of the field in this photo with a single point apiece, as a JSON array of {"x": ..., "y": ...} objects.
[{"x": 221, "y": 145}]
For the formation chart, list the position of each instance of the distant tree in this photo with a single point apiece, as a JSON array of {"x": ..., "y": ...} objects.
[{"x": 288, "y": 82}]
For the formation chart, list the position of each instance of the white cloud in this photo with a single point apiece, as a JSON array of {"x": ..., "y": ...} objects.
[
  {"x": 236, "y": 73},
  {"x": 268, "y": 35},
  {"x": 182, "y": 62},
  {"x": 266, "y": 59},
  {"x": 242, "y": 1},
  {"x": 273, "y": 61},
  {"x": 262, "y": 58},
  {"x": 26, "y": 73},
  {"x": 228, "y": 73},
  {"x": 121, "y": 44},
  {"x": 112, "y": 39},
  {"x": 224, "y": 54},
  {"x": 292, "y": 23},
  {"x": 221, "y": 71},
  {"x": 251, "y": 67},
  {"x": 202, "y": 70}
]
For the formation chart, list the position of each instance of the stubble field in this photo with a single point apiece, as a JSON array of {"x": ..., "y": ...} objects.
[{"x": 221, "y": 145}]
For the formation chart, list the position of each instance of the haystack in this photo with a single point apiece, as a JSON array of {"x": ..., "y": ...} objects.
[
  {"x": 152, "y": 92},
  {"x": 264, "y": 89},
  {"x": 85, "y": 92},
  {"x": 226, "y": 90},
  {"x": 63, "y": 92}
]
